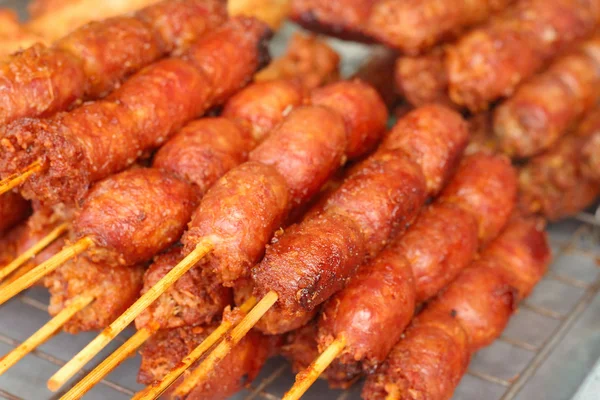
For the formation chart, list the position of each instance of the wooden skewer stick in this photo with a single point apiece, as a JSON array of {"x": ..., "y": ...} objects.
[
  {"x": 44, "y": 268},
  {"x": 33, "y": 250},
  {"x": 18, "y": 273},
  {"x": 156, "y": 389},
  {"x": 221, "y": 351},
  {"x": 44, "y": 333},
  {"x": 109, "y": 333},
  {"x": 110, "y": 363},
  {"x": 18, "y": 178},
  {"x": 306, "y": 378}
]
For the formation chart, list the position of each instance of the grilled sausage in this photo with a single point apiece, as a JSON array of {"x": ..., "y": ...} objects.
[
  {"x": 430, "y": 359},
  {"x": 414, "y": 26},
  {"x": 92, "y": 60},
  {"x": 104, "y": 137},
  {"x": 491, "y": 60},
  {"x": 314, "y": 259},
  {"x": 557, "y": 184},
  {"x": 378, "y": 303},
  {"x": 542, "y": 109},
  {"x": 163, "y": 351}
]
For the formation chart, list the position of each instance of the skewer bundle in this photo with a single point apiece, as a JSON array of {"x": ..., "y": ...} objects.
[{"x": 232, "y": 209}]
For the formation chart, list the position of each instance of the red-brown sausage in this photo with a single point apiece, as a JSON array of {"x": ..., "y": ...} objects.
[
  {"x": 305, "y": 149},
  {"x": 165, "y": 350},
  {"x": 278, "y": 97},
  {"x": 114, "y": 290},
  {"x": 204, "y": 150},
  {"x": 106, "y": 136},
  {"x": 95, "y": 58},
  {"x": 310, "y": 263},
  {"x": 378, "y": 303},
  {"x": 416, "y": 25},
  {"x": 361, "y": 107},
  {"x": 423, "y": 79},
  {"x": 491, "y": 60},
  {"x": 557, "y": 183},
  {"x": 308, "y": 61},
  {"x": 431, "y": 358},
  {"x": 341, "y": 18},
  {"x": 134, "y": 215},
  {"x": 542, "y": 109},
  {"x": 257, "y": 196},
  {"x": 195, "y": 299}
]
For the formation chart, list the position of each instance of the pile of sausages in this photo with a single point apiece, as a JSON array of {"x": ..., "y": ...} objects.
[{"x": 414, "y": 244}]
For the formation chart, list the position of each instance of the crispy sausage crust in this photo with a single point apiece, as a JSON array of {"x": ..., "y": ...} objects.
[
  {"x": 430, "y": 359},
  {"x": 94, "y": 59},
  {"x": 193, "y": 300},
  {"x": 258, "y": 196},
  {"x": 414, "y": 26},
  {"x": 204, "y": 150},
  {"x": 490, "y": 61},
  {"x": 13, "y": 209},
  {"x": 542, "y": 110},
  {"x": 166, "y": 348},
  {"x": 114, "y": 289},
  {"x": 135, "y": 214},
  {"x": 106, "y": 136}
]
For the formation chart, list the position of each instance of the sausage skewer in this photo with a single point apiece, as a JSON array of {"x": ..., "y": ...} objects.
[
  {"x": 555, "y": 184},
  {"x": 199, "y": 154},
  {"x": 476, "y": 205},
  {"x": 307, "y": 62},
  {"x": 94, "y": 59},
  {"x": 490, "y": 61},
  {"x": 338, "y": 234},
  {"x": 108, "y": 135},
  {"x": 240, "y": 213},
  {"x": 242, "y": 41},
  {"x": 469, "y": 314},
  {"x": 542, "y": 109}
]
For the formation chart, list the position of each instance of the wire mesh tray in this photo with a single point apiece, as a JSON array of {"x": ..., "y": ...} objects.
[{"x": 546, "y": 352}]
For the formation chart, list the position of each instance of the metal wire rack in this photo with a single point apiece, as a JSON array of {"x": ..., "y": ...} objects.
[{"x": 545, "y": 353}]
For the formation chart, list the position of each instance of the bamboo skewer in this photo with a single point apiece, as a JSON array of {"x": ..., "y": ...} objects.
[
  {"x": 44, "y": 333},
  {"x": 106, "y": 366},
  {"x": 156, "y": 389},
  {"x": 44, "y": 268},
  {"x": 18, "y": 178},
  {"x": 33, "y": 250},
  {"x": 109, "y": 333},
  {"x": 306, "y": 378},
  {"x": 221, "y": 351}
]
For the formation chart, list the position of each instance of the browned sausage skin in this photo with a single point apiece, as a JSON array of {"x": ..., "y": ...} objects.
[
  {"x": 114, "y": 290},
  {"x": 166, "y": 349},
  {"x": 134, "y": 215},
  {"x": 433, "y": 355},
  {"x": 490, "y": 61},
  {"x": 414, "y": 26},
  {"x": 559, "y": 182},
  {"x": 92, "y": 60},
  {"x": 542, "y": 109},
  {"x": 372, "y": 311},
  {"x": 313, "y": 259},
  {"x": 106, "y": 136},
  {"x": 195, "y": 299}
]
